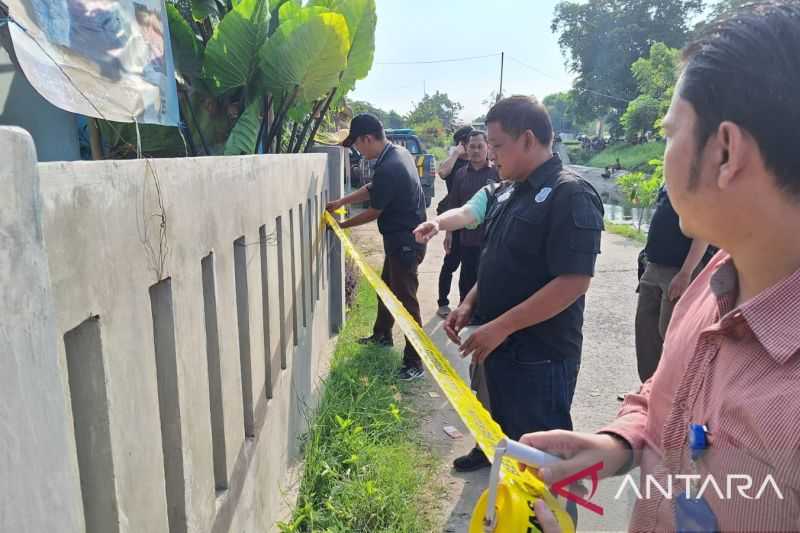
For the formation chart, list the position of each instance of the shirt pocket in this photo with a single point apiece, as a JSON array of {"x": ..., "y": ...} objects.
[
  {"x": 524, "y": 236},
  {"x": 588, "y": 225}
]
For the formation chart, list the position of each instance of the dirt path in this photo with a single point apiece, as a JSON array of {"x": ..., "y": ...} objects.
[{"x": 607, "y": 369}]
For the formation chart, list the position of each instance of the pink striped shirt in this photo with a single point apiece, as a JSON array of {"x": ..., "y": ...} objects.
[{"x": 737, "y": 371}]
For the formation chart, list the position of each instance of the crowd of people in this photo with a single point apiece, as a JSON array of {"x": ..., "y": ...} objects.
[{"x": 718, "y": 316}]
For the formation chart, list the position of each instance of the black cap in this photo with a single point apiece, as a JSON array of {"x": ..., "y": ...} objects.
[{"x": 363, "y": 124}]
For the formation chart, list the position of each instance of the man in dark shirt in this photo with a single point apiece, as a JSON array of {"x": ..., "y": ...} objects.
[
  {"x": 448, "y": 170},
  {"x": 538, "y": 257},
  {"x": 672, "y": 259},
  {"x": 396, "y": 200},
  {"x": 469, "y": 180}
]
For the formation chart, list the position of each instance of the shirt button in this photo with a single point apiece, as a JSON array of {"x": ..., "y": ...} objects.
[{"x": 682, "y": 405}]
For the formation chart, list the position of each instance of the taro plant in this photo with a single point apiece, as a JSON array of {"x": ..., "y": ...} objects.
[{"x": 256, "y": 76}]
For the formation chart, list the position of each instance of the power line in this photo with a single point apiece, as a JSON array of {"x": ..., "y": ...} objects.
[
  {"x": 581, "y": 89},
  {"x": 432, "y": 61}
]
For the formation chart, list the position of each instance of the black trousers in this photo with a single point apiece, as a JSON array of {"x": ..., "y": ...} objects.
[
  {"x": 400, "y": 273},
  {"x": 449, "y": 266}
]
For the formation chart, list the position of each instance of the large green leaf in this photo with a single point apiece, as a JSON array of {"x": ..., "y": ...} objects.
[
  {"x": 232, "y": 53},
  {"x": 204, "y": 8},
  {"x": 361, "y": 22},
  {"x": 306, "y": 53},
  {"x": 186, "y": 48},
  {"x": 289, "y": 10},
  {"x": 244, "y": 134}
]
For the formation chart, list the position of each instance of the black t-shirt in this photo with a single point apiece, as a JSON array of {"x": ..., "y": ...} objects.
[
  {"x": 450, "y": 179},
  {"x": 395, "y": 190},
  {"x": 537, "y": 230},
  {"x": 666, "y": 244},
  {"x": 468, "y": 182}
]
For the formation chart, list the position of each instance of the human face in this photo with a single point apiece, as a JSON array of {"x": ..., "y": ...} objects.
[
  {"x": 367, "y": 146},
  {"x": 477, "y": 150},
  {"x": 690, "y": 173},
  {"x": 507, "y": 153}
]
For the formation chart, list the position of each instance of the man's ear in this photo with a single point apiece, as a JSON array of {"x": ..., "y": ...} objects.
[{"x": 732, "y": 149}]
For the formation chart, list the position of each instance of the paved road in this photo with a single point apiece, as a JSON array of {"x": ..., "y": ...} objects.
[{"x": 607, "y": 370}]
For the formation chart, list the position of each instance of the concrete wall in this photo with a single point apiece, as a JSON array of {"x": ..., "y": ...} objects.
[{"x": 192, "y": 310}]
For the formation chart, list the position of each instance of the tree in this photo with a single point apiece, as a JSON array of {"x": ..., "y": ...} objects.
[
  {"x": 437, "y": 106},
  {"x": 721, "y": 9},
  {"x": 390, "y": 119},
  {"x": 601, "y": 39},
  {"x": 655, "y": 77},
  {"x": 641, "y": 189},
  {"x": 561, "y": 107}
]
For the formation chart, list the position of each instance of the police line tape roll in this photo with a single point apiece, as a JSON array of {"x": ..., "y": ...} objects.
[{"x": 476, "y": 418}]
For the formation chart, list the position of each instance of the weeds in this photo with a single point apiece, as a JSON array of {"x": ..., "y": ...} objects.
[{"x": 365, "y": 469}]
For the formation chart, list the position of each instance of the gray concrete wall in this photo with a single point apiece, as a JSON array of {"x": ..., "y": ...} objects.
[
  {"x": 39, "y": 488},
  {"x": 172, "y": 284}
]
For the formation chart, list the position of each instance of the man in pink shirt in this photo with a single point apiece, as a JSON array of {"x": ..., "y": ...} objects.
[{"x": 724, "y": 403}]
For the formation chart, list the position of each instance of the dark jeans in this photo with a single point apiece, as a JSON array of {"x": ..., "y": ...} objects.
[
  {"x": 449, "y": 266},
  {"x": 468, "y": 277},
  {"x": 400, "y": 273},
  {"x": 528, "y": 393}
]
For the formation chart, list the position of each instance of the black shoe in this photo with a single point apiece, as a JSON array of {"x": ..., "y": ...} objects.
[
  {"x": 410, "y": 373},
  {"x": 380, "y": 340},
  {"x": 474, "y": 460}
]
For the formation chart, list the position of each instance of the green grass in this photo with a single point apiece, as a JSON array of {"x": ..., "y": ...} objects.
[
  {"x": 631, "y": 157},
  {"x": 626, "y": 230},
  {"x": 365, "y": 468}
]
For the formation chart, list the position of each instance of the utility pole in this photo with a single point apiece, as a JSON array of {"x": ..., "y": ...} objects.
[{"x": 502, "y": 61}]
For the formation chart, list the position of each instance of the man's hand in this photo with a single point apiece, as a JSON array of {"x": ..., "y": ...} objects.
[
  {"x": 458, "y": 150},
  {"x": 484, "y": 341},
  {"x": 448, "y": 243},
  {"x": 580, "y": 451},
  {"x": 679, "y": 285},
  {"x": 426, "y": 231},
  {"x": 333, "y": 206},
  {"x": 546, "y": 517},
  {"x": 456, "y": 321}
]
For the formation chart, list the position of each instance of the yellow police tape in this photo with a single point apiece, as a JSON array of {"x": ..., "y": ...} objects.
[{"x": 522, "y": 488}]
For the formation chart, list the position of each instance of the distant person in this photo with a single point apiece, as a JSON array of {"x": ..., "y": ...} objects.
[
  {"x": 671, "y": 262},
  {"x": 397, "y": 202},
  {"x": 457, "y": 160}
]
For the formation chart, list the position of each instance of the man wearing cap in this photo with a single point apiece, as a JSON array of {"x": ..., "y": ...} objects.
[{"x": 397, "y": 202}]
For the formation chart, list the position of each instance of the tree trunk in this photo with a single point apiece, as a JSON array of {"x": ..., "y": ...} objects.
[{"x": 319, "y": 120}]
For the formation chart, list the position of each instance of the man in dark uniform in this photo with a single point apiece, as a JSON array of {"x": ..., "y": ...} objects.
[
  {"x": 448, "y": 171},
  {"x": 397, "y": 202},
  {"x": 537, "y": 260}
]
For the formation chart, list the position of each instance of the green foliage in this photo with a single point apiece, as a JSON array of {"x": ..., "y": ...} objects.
[
  {"x": 364, "y": 468},
  {"x": 235, "y": 57},
  {"x": 640, "y": 188},
  {"x": 390, "y": 119},
  {"x": 435, "y": 106},
  {"x": 232, "y": 53},
  {"x": 431, "y": 132},
  {"x": 561, "y": 107},
  {"x": 626, "y": 230},
  {"x": 631, "y": 157},
  {"x": 601, "y": 39},
  {"x": 655, "y": 76}
]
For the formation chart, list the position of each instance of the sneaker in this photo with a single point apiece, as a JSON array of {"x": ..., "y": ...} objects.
[
  {"x": 443, "y": 311},
  {"x": 474, "y": 460},
  {"x": 380, "y": 340},
  {"x": 410, "y": 373}
]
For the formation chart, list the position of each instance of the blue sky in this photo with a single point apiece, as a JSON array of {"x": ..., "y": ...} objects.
[{"x": 418, "y": 30}]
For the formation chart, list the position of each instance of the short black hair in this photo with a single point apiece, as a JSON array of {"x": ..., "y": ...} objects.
[
  {"x": 745, "y": 68},
  {"x": 462, "y": 134},
  {"x": 517, "y": 114},
  {"x": 478, "y": 133}
]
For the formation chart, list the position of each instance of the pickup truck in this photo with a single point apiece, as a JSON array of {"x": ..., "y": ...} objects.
[{"x": 426, "y": 163}]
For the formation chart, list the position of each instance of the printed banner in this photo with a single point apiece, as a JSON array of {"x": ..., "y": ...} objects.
[{"x": 100, "y": 58}]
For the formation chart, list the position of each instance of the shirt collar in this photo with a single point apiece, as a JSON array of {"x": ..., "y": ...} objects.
[
  {"x": 545, "y": 171},
  {"x": 389, "y": 146},
  {"x": 773, "y": 315},
  {"x": 471, "y": 169}
]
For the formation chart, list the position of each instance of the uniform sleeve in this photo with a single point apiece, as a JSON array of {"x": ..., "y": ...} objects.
[
  {"x": 381, "y": 190},
  {"x": 575, "y": 230},
  {"x": 477, "y": 205}
]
